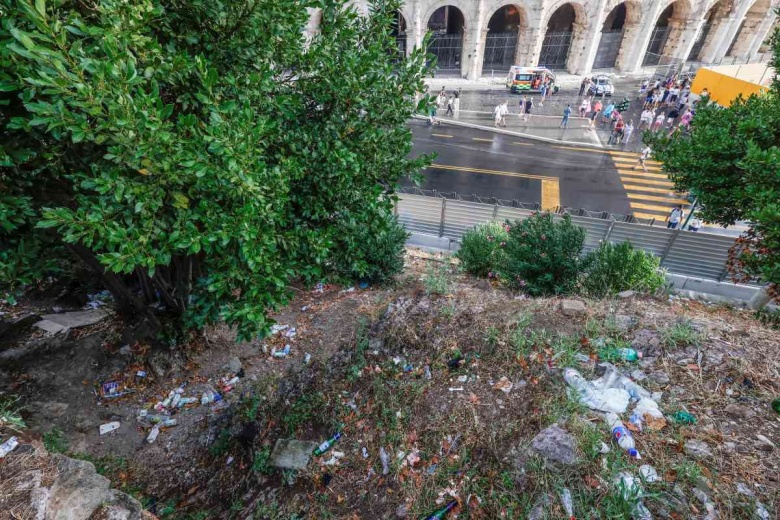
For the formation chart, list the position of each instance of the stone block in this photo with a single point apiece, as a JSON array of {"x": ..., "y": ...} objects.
[
  {"x": 292, "y": 454},
  {"x": 572, "y": 308}
]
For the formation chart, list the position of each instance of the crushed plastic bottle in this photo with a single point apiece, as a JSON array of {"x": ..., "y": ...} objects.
[
  {"x": 385, "y": 458},
  {"x": 648, "y": 473},
  {"x": 636, "y": 420},
  {"x": 155, "y": 431},
  {"x": 184, "y": 401},
  {"x": 8, "y": 446},
  {"x": 281, "y": 353},
  {"x": 325, "y": 446},
  {"x": 622, "y": 435},
  {"x": 619, "y": 354},
  {"x": 568, "y": 503},
  {"x": 610, "y": 400},
  {"x": 427, "y": 371},
  {"x": 365, "y": 452},
  {"x": 210, "y": 396}
]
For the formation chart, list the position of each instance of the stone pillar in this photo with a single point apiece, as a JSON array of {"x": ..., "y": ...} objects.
[
  {"x": 682, "y": 36},
  {"x": 716, "y": 51},
  {"x": 529, "y": 45},
  {"x": 745, "y": 37},
  {"x": 631, "y": 33},
  {"x": 416, "y": 28},
  {"x": 576, "y": 61},
  {"x": 636, "y": 47},
  {"x": 474, "y": 44},
  {"x": 720, "y": 27},
  {"x": 762, "y": 33}
]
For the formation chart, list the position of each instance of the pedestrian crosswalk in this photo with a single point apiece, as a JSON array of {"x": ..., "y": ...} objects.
[{"x": 651, "y": 194}]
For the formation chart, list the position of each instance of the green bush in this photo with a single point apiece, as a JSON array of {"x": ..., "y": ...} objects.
[
  {"x": 482, "y": 248},
  {"x": 370, "y": 250},
  {"x": 613, "y": 268},
  {"x": 543, "y": 256}
]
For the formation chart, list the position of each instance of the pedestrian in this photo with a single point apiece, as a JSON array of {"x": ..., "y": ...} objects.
[
  {"x": 671, "y": 116},
  {"x": 648, "y": 99},
  {"x": 685, "y": 120},
  {"x": 627, "y": 131},
  {"x": 497, "y": 115},
  {"x": 450, "y": 106},
  {"x": 595, "y": 114},
  {"x": 694, "y": 225},
  {"x": 583, "y": 85},
  {"x": 543, "y": 93},
  {"x": 674, "y": 94},
  {"x": 432, "y": 114},
  {"x": 665, "y": 96},
  {"x": 607, "y": 113},
  {"x": 617, "y": 132},
  {"x": 566, "y": 114},
  {"x": 643, "y": 88},
  {"x": 643, "y": 156},
  {"x": 646, "y": 119},
  {"x": 674, "y": 218},
  {"x": 659, "y": 121},
  {"x": 584, "y": 107},
  {"x": 456, "y": 103},
  {"x": 504, "y": 112},
  {"x": 529, "y": 104}
]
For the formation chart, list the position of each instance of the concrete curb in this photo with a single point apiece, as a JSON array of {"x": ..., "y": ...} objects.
[
  {"x": 514, "y": 134},
  {"x": 686, "y": 286}
]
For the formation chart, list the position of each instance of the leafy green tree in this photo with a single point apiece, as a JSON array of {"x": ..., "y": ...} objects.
[
  {"x": 731, "y": 161},
  {"x": 200, "y": 153}
]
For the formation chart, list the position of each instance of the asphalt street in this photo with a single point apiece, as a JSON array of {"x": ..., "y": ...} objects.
[{"x": 486, "y": 164}]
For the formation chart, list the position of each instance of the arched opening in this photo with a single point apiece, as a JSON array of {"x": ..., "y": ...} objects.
[
  {"x": 446, "y": 28},
  {"x": 659, "y": 36},
  {"x": 501, "y": 41},
  {"x": 709, "y": 22},
  {"x": 558, "y": 37},
  {"x": 398, "y": 31},
  {"x": 748, "y": 29},
  {"x": 611, "y": 38}
]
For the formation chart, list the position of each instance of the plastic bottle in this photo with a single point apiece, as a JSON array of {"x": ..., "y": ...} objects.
[
  {"x": 325, "y": 446},
  {"x": 176, "y": 400},
  {"x": 622, "y": 435},
  {"x": 634, "y": 390},
  {"x": 619, "y": 354},
  {"x": 210, "y": 396},
  {"x": 589, "y": 396},
  {"x": 155, "y": 431},
  {"x": 568, "y": 503},
  {"x": 385, "y": 458},
  {"x": 441, "y": 513},
  {"x": 281, "y": 353},
  {"x": 636, "y": 420},
  {"x": 428, "y": 374},
  {"x": 8, "y": 446},
  {"x": 776, "y": 405},
  {"x": 187, "y": 400}
]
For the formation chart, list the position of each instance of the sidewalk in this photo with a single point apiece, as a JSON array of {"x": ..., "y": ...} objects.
[{"x": 547, "y": 127}]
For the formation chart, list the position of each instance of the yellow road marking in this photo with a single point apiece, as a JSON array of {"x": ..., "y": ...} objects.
[
  {"x": 551, "y": 194},
  {"x": 652, "y": 207},
  {"x": 622, "y": 163},
  {"x": 480, "y": 139},
  {"x": 647, "y": 215},
  {"x": 627, "y": 177},
  {"x": 631, "y": 171},
  {"x": 580, "y": 149},
  {"x": 654, "y": 198},
  {"x": 627, "y": 154},
  {"x": 630, "y": 187},
  {"x": 443, "y": 135},
  {"x": 492, "y": 172}
]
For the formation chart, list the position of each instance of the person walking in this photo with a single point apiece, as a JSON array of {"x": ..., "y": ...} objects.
[
  {"x": 674, "y": 218},
  {"x": 607, "y": 114},
  {"x": 497, "y": 115},
  {"x": 694, "y": 225},
  {"x": 504, "y": 112},
  {"x": 529, "y": 104},
  {"x": 646, "y": 119},
  {"x": 659, "y": 121},
  {"x": 671, "y": 116},
  {"x": 617, "y": 132},
  {"x": 584, "y": 107},
  {"x": 456, "y": 102},
  {"x": 543, "y": 92},
  {"x": 643, "y": 156},
  {"x": 450, "y": 106},
  {"x": 595, "y": 114},
  {"x": 583, "y": 85},
  {"x": 566, "y": 114},
  {"x": 627, "y": 131},
  {"x": 522, "y": 107}
]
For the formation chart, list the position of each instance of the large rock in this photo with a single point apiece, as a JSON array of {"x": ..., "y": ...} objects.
[
  {"x": 697, "y": 449},
  {"x": 56, "y": 323},
  {"x": 736, "y": 411},
  {"x": 556, "y": 445},
  {"x": 572, "y": 308},
  {"x": 647, "y": 341},
  {"x": 292, "y": 454}
]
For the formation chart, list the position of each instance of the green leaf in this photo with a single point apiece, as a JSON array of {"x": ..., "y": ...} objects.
[{"x": 40, "y": 6}]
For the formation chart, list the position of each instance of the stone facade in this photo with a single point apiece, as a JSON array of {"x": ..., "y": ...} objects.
[{"x": 473, "y": 38}]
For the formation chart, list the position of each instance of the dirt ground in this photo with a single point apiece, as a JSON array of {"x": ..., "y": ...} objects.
[{"x": 455, "y": 435}]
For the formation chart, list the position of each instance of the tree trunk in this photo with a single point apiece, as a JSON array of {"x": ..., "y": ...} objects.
[{"x": 127, "y": 303}]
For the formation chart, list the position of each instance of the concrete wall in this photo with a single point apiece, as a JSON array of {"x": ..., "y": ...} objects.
[{"x": 688, "y": 19}]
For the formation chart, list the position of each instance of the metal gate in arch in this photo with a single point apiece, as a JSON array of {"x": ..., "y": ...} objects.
[
  {"x": 448, "y": 49},
  {"x": 609, "y": 47},
  {"x": 656, "y": 45},
  {"x": 555, "y": 50},
  {"x": 500, "y": 50}
]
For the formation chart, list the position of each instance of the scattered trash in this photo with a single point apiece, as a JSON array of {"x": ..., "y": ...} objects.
[
  {"x": 456, "y": 362},
  {"x": 141, "y": 374},
  {"x": 229, "y": 460},
  {"x": 307, "y": 359},
  {"x": 363, "y": 284},
  {"x": 109, "y": 427},
  {"x": 385, "y": 458},
  {"x": 8, "y": 446},
  {"x": 408, "y": 368},
  {"x": 427, "y": 371},
  {"x": 619, "y": 354},
  {"x": 397, "y": 360},
  {"x": 776, "y": 405},
  {"x": 610, "y": 400},
  {"x": 648, "y": 473},
  {"x": 621, "y": 435},
  {"x": 463, "y": 379},
  {"x": 281, "y": 353},
  {"x": 647, "y": 410},
  {"x": 683, "y": 417},
  {"x": 277, "y": 328},
  {"x": 348, "y": 290},
  {"x": 412, "y": 459},
  {"x": 503, "y": 384},
  {"x": 568, "y": 503},
  {"x": 305, "y": 308},
  {"x": 458, "y": 389},
  {"x": 636, "y": 421},
  {"x": 442, "y": 513},
  {"x": 153, "y": 434},
  {"x": 325, "y": 446},
  {"x": 604, "y": 448},
  {"x": 63, "y": 322},
  {"x": 319, "y": 288},
  {"x": 210, "y": 396},
  {"x": 365, "y": 452},
  {"x": 334, "y": 458}
]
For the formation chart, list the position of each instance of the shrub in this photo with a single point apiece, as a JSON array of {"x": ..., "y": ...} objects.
[
  {"x": 543, "y": 256},
  {"x": 481, "y": 250},
  {"x": 436, "y": 280},
  {"x": 370, "y": 250},
  {"x": 613, "y": 268}
]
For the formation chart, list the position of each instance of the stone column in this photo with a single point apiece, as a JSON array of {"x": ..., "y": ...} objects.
[
  {"x": 762, "y": 33},
  {"x": 631, "y": 33},
  {"x": 474, "y": 44},
  {"x": 576, "y": 61},
  {"x": 634, "y": 54},
  {"x": 745, "y": 37},
  {"x": 720, "y": 27},
  {"x": 682, "y": 36},
  {"x": 716, "y": 51},
  {"x": 529, "y": 45}
]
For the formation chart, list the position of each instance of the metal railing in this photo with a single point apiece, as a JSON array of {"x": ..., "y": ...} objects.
[{"x": 700, "y": 255}]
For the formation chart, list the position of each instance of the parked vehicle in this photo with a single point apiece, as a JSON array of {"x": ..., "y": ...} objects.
[
  {"x": 601, "y": 86},
  {"x": 529, "y": 79}
]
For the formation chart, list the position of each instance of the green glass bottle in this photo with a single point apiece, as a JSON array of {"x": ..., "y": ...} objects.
[
  {"x": 325, "y": 446},
  {"x": 776, "y": 405},
  {"x": 441, "y": 513},
  {"x": 619, "y": 354}
]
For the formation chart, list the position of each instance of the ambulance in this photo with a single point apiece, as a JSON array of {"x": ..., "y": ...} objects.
[{"x": 530, "y": 79}]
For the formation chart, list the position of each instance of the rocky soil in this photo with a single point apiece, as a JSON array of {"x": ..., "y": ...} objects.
[{"x": 458, "y": 383}]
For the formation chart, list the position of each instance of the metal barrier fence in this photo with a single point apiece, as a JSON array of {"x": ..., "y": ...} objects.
[{"x": 687, "y": 253}]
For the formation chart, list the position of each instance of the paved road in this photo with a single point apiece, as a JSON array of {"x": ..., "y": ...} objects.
[{"x": 494, "y": 165}]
